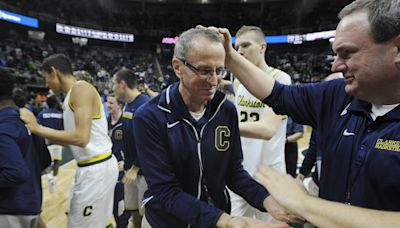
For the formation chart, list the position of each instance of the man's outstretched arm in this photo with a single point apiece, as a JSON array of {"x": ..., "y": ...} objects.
[{"x": 320, "y": 212}]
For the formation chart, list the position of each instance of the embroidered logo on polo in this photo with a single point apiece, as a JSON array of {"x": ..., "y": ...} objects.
[
  {"x": 222, "y": 138},
  {"x": 388, "y": 144}
]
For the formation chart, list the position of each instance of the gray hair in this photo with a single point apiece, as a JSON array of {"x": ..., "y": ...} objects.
[
  {"x": 187, "y": 38},
  {"x": 383, "y": 16}
]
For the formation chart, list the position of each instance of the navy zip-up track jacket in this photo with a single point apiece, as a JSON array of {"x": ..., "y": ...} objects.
[{"x": 187, "y": 164}]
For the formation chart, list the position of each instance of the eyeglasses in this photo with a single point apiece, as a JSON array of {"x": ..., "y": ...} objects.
[{"x": 205, "y": 72}]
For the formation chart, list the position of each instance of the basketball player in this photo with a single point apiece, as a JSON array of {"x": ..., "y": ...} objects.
[
  {"x": 85, "y": 124},
  {"x": 263, "y": 133},
  {"x": 125, "y": 89},
  {"x": 52, "y": 117},
  {"x": 114, "y": 106}
]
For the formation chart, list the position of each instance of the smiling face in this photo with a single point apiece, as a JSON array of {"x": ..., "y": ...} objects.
[
  {"x": 368, "y": 67},
  {"x": 196, "y": 89}
]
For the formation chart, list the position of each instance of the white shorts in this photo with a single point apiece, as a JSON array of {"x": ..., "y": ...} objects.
[
  {"x": 19, "y": 221},
  {"x": 55, "y": 152},
  {"x": 241, "y": 208},
  {"x": 92, "y": 195},
  {"x": 134, "y": 194}
]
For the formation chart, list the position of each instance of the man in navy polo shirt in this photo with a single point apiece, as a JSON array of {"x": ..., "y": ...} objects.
[{"x": 356, "y": 118}]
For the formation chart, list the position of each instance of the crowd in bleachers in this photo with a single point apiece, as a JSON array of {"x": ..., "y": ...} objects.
[
  {"x": 169, "y": 19},
  {"x": 25, "y": 56},
  {"x": 305, "y": 63}
]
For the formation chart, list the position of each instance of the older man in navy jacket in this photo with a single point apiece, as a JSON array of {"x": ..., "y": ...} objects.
[{"x": 190, "y": 145}]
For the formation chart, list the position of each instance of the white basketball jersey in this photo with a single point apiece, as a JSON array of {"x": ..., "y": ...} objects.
[
  {"x": 99, "y": 142},
  {"x": 258, "y": 151}
]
